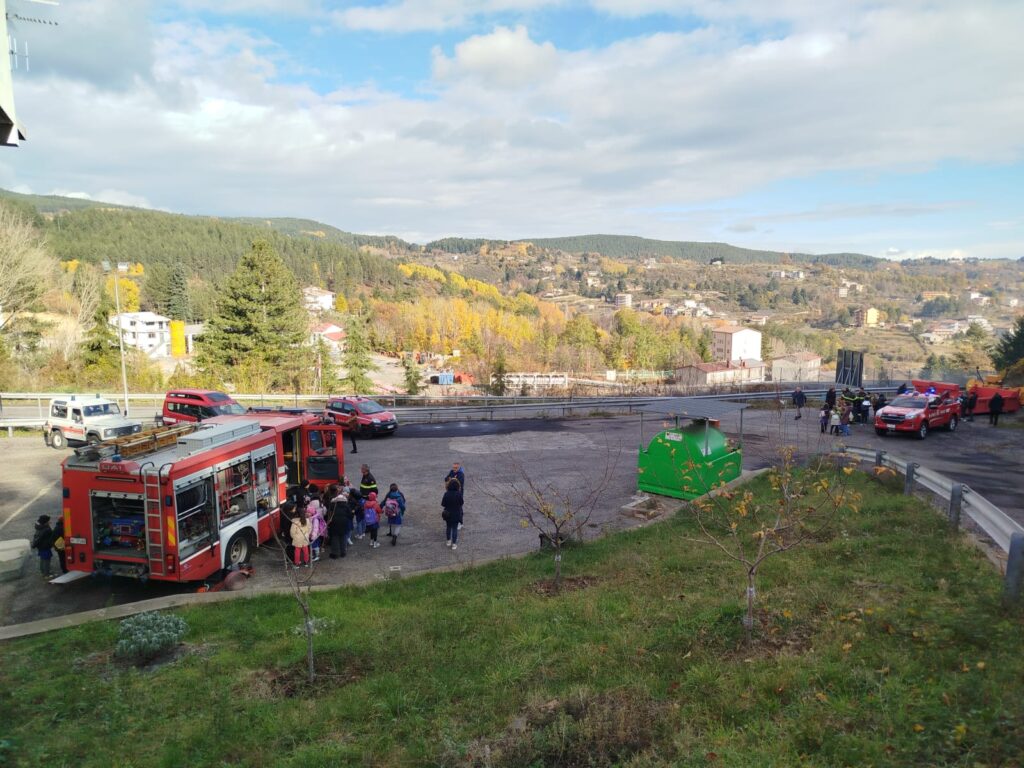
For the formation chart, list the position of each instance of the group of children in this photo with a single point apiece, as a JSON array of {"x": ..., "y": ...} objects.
[{"x": 337, "y": 515}]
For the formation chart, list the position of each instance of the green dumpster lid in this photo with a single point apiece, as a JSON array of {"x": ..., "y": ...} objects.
[{"x": 693, "y": 407}]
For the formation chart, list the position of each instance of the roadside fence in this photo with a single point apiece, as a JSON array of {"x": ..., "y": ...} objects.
[{"x": 958, "y": 499}]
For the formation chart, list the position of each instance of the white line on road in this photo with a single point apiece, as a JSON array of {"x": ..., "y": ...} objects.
[{"x": 42, "y": 492}]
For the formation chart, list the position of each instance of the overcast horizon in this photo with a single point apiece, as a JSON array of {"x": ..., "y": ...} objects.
[{"x": 891, "y": 128}]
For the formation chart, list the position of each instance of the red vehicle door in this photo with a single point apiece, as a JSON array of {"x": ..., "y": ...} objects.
[{"x": 322, "y": 458}]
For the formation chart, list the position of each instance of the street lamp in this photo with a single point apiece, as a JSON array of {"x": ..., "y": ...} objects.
[{"x": 122, "y": 266}]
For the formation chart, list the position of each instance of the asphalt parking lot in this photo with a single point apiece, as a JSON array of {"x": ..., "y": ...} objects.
[{"x": 571, "y": 454}]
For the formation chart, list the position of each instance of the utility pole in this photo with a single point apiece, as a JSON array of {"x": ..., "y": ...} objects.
[{"x": 122, "y": 266}]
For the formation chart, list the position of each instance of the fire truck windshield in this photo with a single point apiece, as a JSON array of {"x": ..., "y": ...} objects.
[
  {"x": 228, "y": 409},
  {"x": 106, "y": 409}
]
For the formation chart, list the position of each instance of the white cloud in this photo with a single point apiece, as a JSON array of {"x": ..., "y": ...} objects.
[
  {"x": 517, "y": 138},
  {"x": 505, "y": 58},
  {"x": 114, "y": 196}
]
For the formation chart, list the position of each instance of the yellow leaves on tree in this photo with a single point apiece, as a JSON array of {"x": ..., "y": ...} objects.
[{"x": 128, "y": 290}]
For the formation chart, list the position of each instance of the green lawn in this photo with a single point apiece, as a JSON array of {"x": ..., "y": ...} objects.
[{"x": 884, "y": 645}]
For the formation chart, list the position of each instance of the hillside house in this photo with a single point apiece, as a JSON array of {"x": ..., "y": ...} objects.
[
  {"x": 147, "y": 331},
  {"x": 317, "y": 299},
  {"x": 866, "y": 317},
  {"x": 333, "y": 335},
  {"x": 732, "y": 343},
  {"x": 720, "y": 374},
  {"x": 797, "y": 366}
]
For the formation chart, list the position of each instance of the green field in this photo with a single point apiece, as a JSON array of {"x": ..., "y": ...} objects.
[{"x": 882, "y": 644}]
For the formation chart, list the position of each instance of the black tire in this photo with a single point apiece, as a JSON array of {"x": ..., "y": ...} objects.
[
  {"x": 239, "y": 549},
  {"x": 57, "y": 440},
  {"x": 881, "y": 432},
  {"x": 92, "y": 439},
  {"x": 954, "y": 422},
  {"x": 922, "y": 433}
]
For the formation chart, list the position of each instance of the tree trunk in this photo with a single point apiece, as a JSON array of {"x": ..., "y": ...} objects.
[
  {"x": 308, "y": 625},
  {"x": 558, "y": 562},
  {"x": 748, "y": 619}
]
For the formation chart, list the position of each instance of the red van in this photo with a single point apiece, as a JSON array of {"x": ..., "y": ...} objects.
[
  {"x": 371, "y": 418},
  {"x": 191, "y": 405}
]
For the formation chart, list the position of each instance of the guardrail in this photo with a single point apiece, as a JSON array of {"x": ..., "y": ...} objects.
[{"x": 960, "y": 498}]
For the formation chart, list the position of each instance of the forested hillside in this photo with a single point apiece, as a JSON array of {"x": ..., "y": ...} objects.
[{"x": 627, "y": 246}]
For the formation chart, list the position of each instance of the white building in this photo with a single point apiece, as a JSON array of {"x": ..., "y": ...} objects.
[
  {"x": 719, "y": 374},
  {"x": 732, "y": 343},
  {"x": 317, "y": 299},
  {"x": 147, "y": 331},
  {"x": 623, "y": 300},
  {"x": 797, "y": 366}
]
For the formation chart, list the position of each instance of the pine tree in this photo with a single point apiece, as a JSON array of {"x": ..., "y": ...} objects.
[
  {"x": 498, "y": 384},
  {"x": 326, "y": 380},
  {"x": 1010, "y": 348},
  {"x": 356, "y": 360},
  {"x": 178, "y": 304},
  {"x": 413, "y": 376},
  {"x": 260, "y": 321},
  {"x": 704, "y": 346}
]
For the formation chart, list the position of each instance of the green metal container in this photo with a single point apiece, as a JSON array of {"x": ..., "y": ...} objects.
[{"x": 687, "y": 462}]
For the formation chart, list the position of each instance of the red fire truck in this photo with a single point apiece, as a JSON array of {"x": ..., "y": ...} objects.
[{"x": 181, "y": 502}]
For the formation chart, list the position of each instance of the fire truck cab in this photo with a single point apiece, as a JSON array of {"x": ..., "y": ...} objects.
[{"x": 181, "y": 502}]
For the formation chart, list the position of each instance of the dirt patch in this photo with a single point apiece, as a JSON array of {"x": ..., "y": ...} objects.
[
  {"x": 774, "y": 635},
  {"x": 293, "y": 682},
  {"x": 548, "y": 588},
  {"x": 105, "y": 663},
  {"x": 585, "y": 730}
]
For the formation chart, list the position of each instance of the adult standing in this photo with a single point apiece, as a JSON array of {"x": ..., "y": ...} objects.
[
  {"x": 902, "y": 388},
  {"x": 367, "y": 483},
  {"x": 972, "y": 403},
  {"x": 995, "y": 407},
  {"x": 799, "y": 400},
  {"x": 451, "y": 513},
  {"x": 350, "y": 426},
  {"x": 457, "y": 474},
  {"x": 338, "y": 519},
  {"x": 830, "y": 398}
]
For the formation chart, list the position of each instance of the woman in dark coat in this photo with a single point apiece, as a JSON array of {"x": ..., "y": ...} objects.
[
  {"x": 451, "y": 505},
  {"x": 830, "y": 398}
]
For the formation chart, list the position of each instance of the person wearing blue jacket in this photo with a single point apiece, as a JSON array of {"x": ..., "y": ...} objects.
[
  {"x": 451, "y": 506},
  {"x": 394, "y": 509}
]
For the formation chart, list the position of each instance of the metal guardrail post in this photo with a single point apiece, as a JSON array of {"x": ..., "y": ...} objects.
[
  {"x": 956, "y": 498},
  {"x": 878, "y": 458},
  {"x": 1014, "y": 580},
  {"x": 908, "y": 486}
]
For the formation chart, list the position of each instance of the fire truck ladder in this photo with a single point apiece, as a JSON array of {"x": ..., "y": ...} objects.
[
  {"x": 150, "y": 440},
  {"x": 153, "y": 515}
]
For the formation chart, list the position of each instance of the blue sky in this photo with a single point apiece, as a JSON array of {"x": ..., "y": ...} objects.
[{"x": 889, "y": 127}]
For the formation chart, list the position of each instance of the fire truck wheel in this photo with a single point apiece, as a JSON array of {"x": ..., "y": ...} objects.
[
  {"x": 922, "y": 433},
  {"x": 953, "y": 424},
  {"x": 239, "y": 549},
  {"x": 57, "y": 439}
]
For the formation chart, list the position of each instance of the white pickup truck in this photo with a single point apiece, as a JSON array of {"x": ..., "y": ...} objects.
[{"x": 85, "y": 420}]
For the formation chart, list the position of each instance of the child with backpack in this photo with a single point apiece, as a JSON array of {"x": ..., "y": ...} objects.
[
  {"x": 823, "y": 418},
  {"x": 315, "y": 515},
  {"x": 371, "y": 518},
  {"x": 42, "y": 543},
  {"x": 394, "y": 508}
]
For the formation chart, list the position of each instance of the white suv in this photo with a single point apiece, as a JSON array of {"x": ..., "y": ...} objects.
[{"x": 85, "y": 420}]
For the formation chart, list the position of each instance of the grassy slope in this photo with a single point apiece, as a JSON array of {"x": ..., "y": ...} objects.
[{"x": 932, "y": 673}]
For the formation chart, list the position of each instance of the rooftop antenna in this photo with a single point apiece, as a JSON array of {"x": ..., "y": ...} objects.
[{"x": 10, "y": 129}]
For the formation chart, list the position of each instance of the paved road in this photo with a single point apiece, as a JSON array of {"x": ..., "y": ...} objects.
[{"x": 570, "y": 454}]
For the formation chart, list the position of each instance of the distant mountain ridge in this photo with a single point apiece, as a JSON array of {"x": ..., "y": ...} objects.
[
  {"x": 624, "y": 247},
  {"x": 630, "y": 247}
]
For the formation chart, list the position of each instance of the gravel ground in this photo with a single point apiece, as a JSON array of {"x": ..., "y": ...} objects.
[{"x": 570, "y": 454}]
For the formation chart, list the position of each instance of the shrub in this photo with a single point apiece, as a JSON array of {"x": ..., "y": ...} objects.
[{"x": 145, "y": 636}]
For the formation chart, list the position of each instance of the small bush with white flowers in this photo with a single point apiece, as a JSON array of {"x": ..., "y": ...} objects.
[{"x": 145, "y": 636}]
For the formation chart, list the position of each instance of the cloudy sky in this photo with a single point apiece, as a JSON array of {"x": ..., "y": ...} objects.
[{"x": 889, "y": 127}]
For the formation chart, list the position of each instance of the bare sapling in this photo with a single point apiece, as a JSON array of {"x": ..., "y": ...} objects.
[
  {"x": 806, "y": 497},
  {"x": 557, "y": 512},
  {"x": 301, "y": 581}
]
